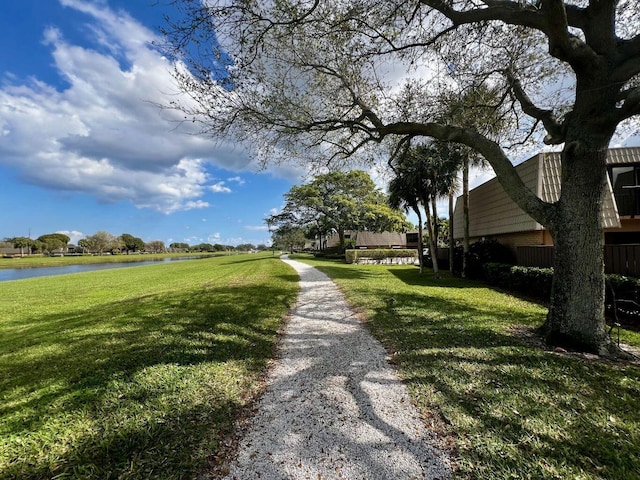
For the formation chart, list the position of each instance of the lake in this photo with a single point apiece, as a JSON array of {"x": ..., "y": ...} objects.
[{"x": 31, "y": 272}]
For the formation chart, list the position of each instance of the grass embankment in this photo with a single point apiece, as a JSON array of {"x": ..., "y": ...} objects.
[
  {"x": 46, "y": 261},
  {"x": 512, "y": 411},
  {"x": 135, "y": 372}
]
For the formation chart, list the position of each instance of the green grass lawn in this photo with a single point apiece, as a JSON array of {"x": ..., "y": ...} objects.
[
  {"x": 508, "y": 410},
  {"x": 135, "y": 372}
]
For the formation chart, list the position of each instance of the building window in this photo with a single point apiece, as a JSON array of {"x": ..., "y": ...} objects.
[
  {"x": 412, "y": 238},
  {"x": 625, "y": 181}
]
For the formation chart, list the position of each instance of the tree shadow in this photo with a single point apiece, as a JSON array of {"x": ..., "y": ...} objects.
[
  {"x": 412, "y": 276},
  {"x": 508, "y": 401},
  {"x": 72, "y": 366},
  {"x": 333, "y": 405}
]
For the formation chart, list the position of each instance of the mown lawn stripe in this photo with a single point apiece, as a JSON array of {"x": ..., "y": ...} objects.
[{"x": 137, "y": 372}]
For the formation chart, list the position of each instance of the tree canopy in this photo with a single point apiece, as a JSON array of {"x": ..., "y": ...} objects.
[
  {"x": 335, "y": 202},
  {"x": 332, "y": 79},
  {"x": 101, "y": 242},
  {"x": 131, "y": 243},
  {"x": 54, "y": 241}
]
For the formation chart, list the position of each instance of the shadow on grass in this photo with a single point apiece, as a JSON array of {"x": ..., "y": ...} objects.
[
  {"x": 515, "y": 410},
  {"x": 116, "y": 374},
  {"x": 412, "y": 276}
]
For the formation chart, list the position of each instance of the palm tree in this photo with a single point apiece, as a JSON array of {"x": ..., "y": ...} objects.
[
  {"x": 469, "y": 159},
  {"x": 478, "y": 107},
  {"x": 403, "y": 196},
  {"x": 423, "y": 175}
]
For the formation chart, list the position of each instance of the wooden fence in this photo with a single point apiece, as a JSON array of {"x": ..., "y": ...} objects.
[
  {"x": 535, "y": 255},
  {"x": 620, "y": 259}
]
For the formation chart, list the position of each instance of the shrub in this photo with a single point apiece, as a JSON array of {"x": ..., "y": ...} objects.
[
  {"x": 531, "y": 281},
  {"x": 487, "y": 251},
  {"x": 536, "y": 282},
  {"x": 379, "y": 253}
]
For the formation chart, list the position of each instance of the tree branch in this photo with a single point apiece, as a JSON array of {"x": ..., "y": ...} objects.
[
  {"x": 553, "y": 19},
  {"x": 629, "y": 62},
  {"x": 505, "y": 171},
  {"x": 630, "y": 49},
  {"x": 554, "y": 129},
  {"x": 631, "y": 105}
]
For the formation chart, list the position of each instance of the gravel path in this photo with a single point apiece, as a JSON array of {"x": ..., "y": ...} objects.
[{"x": 334, "y": 408}]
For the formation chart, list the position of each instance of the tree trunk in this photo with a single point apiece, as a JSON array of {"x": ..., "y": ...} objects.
[
  {"x": 576, "y": 314},
  {"x": 436, "y": 222},
  {"x": 420, "y": 242},
  {"x": 452, "y": 247},
  {"x": 465, "y": 215},
  {"x": 432, "y": 245}
]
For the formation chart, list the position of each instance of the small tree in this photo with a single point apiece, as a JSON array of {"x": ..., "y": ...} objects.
[
  {"x": 54, "y": 242},
  {"x": 424, "y": 173},
  {"x": 338, "y": 201},
  {"x": 289, "y": 238},
  {"x": 100, "y": 242},
  {"x": 21, "y": 243},
  {"x": 155, "y": 246},
  {"x": 179, "y": 247},
  {"x": 131, "y": 243},
  {"x": 403, "y": 194}
]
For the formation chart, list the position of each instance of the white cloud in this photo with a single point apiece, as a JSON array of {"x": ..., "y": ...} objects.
[
  {"x": 257, "y": 227},
  {"x": 219, "y": 188},
  {"x": 74, "y": 235},
  {"x": 237, "y": 180},
  {"x": 104, "y": 134}
]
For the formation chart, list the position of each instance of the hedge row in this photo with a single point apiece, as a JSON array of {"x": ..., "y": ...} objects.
[
  {"x": 531, "y": 281},
  {"x": 536, "y": 282},
  {"x": 352, "y": 256}
]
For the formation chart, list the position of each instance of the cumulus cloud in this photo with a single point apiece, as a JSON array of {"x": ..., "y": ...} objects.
[
  {"x": 257, "y": 227},
  {"x": 104, "y": 134}
]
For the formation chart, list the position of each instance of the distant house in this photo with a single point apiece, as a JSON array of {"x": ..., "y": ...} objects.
[
  {"x": 367, "y": 240},
  {"x": 11, "y": 252},
  {"x": 493, "y": 215}
]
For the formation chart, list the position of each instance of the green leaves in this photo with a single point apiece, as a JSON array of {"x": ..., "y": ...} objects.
[{"x": 336, "y": 202}]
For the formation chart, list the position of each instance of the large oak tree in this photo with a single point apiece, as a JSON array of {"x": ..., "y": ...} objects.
[{"x": 306, "y": 79}]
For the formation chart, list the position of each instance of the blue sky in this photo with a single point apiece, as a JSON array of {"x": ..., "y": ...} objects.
[{"x": 83, "y": 146}]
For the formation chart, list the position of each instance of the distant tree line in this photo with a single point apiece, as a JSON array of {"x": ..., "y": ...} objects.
[{"x": 103, "y": 242}]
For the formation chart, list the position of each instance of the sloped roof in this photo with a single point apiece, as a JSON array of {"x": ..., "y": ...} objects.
[
  {"x": 370, "y": 239},
  {"x": 367, "y": 239},
  {"x": 492, "y": 212},
  {"x": 618, "y": 156}
]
